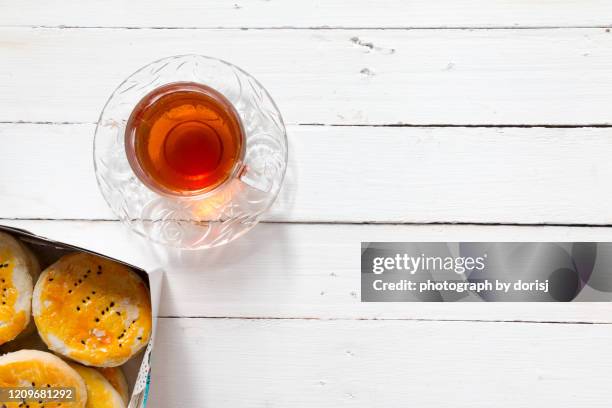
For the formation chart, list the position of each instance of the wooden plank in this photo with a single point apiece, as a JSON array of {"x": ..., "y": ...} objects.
[
  {"x": 517, "y": 77},
  {"x": 311, "y": 271},
  {"x": 356, "y": 174},
  {"x": 318, "y": 13},
  {"x": 263, "y": 363}
]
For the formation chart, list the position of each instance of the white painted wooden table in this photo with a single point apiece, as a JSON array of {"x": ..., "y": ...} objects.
[{"x": 407, "y": 120}]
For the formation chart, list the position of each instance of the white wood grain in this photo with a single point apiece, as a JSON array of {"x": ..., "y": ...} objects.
[
  {"x": 318, "y": 13},
  {"x": 557, "y": 76},
  {"x": 262, "y": 363},
  {"x": 317, "y": 345},
  {"x": 357, "y": 174},
  {"x": 311, "y": 271}
]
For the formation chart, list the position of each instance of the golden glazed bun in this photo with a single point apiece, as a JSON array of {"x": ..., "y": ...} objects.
[
  {"x": 18, "y": 270},
  {"x": 92, "y": 310},
  {"x": 115, "y": 376},
  {"x": 100, "y": 392},
  {"x": 33, "y": 368}
]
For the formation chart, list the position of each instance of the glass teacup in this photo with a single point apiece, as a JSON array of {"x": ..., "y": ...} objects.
[{"x": 176, "y": 113}]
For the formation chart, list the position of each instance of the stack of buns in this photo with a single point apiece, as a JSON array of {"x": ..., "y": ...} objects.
[{"x": 91, "y": 316}]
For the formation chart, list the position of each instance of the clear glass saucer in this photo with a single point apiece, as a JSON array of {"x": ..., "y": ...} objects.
[{"x": 221, "y": 215}]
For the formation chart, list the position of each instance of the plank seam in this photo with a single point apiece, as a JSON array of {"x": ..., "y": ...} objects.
[
  {"x": 34, "y": 122},
  {"x": 374, "y": 125},
  {"x": 516, "y": 321},
  {"x": 320, "y": 222},
  {"x": 322, "y": 27},
  {"x": 450, "y": 125}
]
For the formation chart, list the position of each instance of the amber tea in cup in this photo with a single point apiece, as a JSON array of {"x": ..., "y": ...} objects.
[{"x": 184, "y": 139}]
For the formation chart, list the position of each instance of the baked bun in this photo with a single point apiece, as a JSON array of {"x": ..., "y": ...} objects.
[
  {"x": 115, "y": 376},
  {"x": 92, "y": 310},
  {"x": 18, "y": 269},
  {"x": 100, "y": 392},
  {"x": 33, "y": 368}
]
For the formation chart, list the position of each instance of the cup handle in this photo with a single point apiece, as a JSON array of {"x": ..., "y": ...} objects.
[{"x": 255, "y": 179}]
